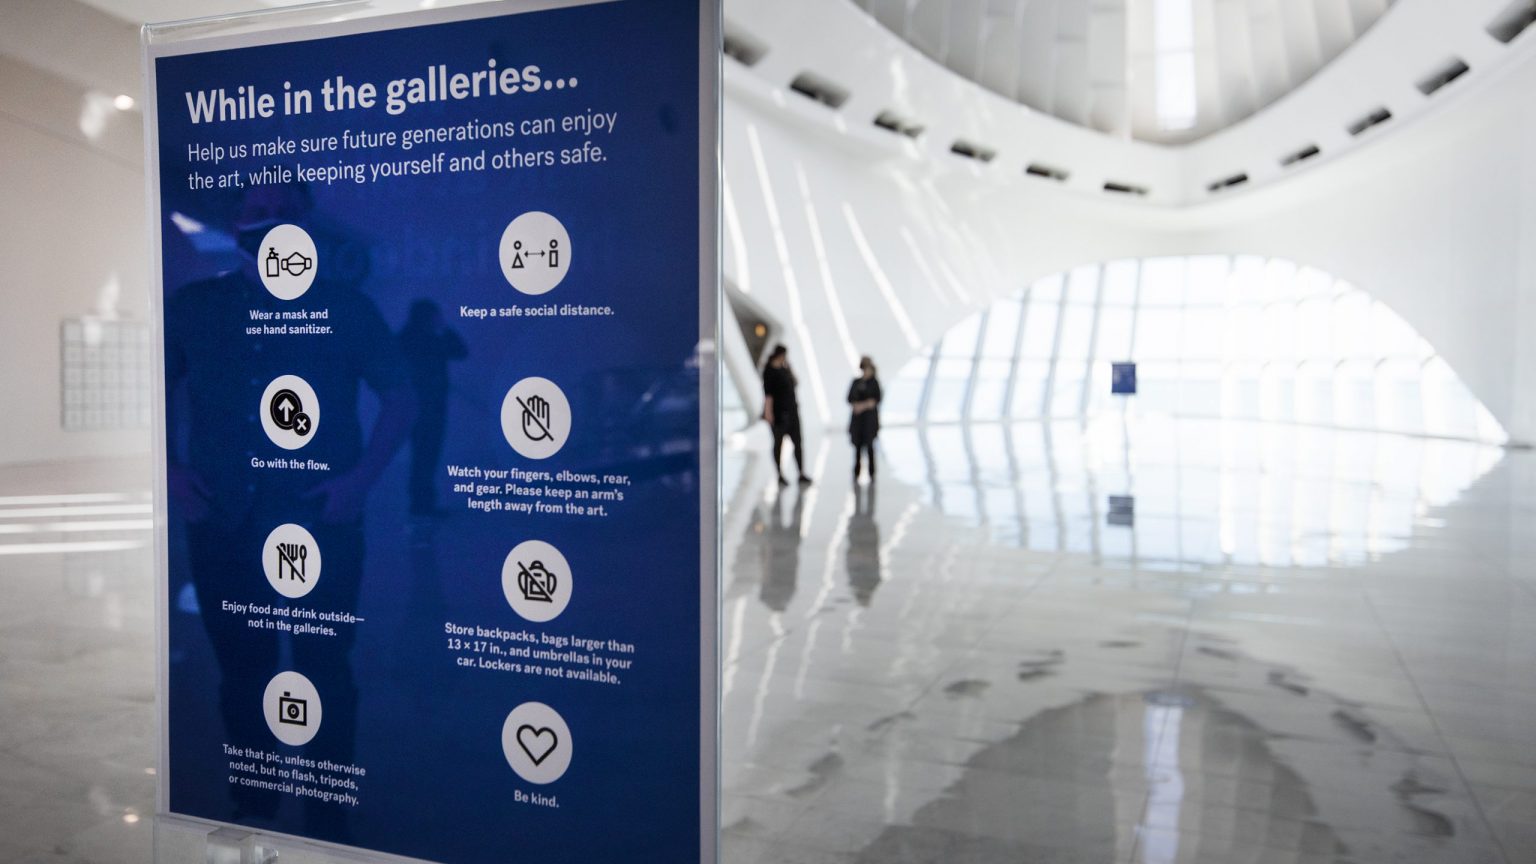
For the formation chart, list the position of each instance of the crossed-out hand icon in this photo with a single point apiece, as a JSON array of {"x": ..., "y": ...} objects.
[
  {"x": 536, "y": 423},
  {"x": 536, "y": 418}
]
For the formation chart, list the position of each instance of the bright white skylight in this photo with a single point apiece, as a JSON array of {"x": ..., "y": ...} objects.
[{"x": 1174, "y": 39}]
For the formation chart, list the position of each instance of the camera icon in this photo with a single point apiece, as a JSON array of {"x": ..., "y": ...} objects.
[{"x": 294, "y": 712}]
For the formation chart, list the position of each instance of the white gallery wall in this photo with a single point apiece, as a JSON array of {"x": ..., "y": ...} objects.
[{"x": 72, "y": 244}]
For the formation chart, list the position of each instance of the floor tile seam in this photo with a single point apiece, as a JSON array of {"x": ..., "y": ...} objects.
[{"x": 1477, "y": 804}]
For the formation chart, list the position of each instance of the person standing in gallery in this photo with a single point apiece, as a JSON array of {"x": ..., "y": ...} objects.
[
  {"x": 782, "y": 411},
  {"x": 864, "y": 424}
]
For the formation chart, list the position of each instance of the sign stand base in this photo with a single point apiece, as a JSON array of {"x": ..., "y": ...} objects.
[{"x": 234, "y": 846}]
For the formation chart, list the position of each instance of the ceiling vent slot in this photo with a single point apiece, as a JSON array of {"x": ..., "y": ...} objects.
[
  {"x": 820, "y": 89},
  {"x": 1444, "y": 75},
  {"x": 744, "y": 49},
  {"x": 1035, "y": 169},
  {"x": 972, "y": 150},
  {"x": 893, "y": 122},
  {"x": 1300, "y": 156},
  {"x": 1509, "y": 24},
  {"x": 1370, "y": 121},
  {"x": 1125, "y": 188},
  {"x": 1227, "y": 183}
]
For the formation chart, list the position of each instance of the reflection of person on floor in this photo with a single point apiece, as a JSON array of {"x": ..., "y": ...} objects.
[
  {"x": 863, "y": 546},
  {"x": 228, "y": 506},
  {"x": 782, "y": 411},
  {"x": 428, "y": 346},
  {"x": 781, "y": 557},
  {"x": 864, "y": 424}
]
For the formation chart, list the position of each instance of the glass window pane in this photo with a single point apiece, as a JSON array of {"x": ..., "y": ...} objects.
[
  {"x": 1245, "y": 284},
  {"x": 1162, "y": 282},
  {"x": 1279, "y": 333},
  {"x": 990, "y": 389},
  {"x": 1114, "y": 340},
  {"x": 1048, "y": 288},
  {"x": 1206, "y": 282},
  {"x": 948, "y": 394},
  {"x": 1076, "y": 333},
  {"x": 1083, "y": 287},
  {"x": 1040, "y": 330},
  {"x": 1200, "y": 389},
  {"x": 1245, "y": 333},
  {"x": 1120, "y": 282},
  {"x": 1393, "y": 337},
  {"x": 960, "y": 341},
  {"x": 1314, "y": 329},
  {"x": 1352, "y": 326},
  {"x": 1157, "y": 333},
  {"x": 1279, "y": 281},
  {"x": 1203, "y": 332},
  {"x": 1002, "y": 328},
  {"x": 1029, "y": 388},
  {"x": 1067, "y": 390},
  {"x": 899, "y": 401}
]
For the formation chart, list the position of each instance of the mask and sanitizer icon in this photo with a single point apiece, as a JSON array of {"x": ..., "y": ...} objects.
[{"x": 294, "y": 265}]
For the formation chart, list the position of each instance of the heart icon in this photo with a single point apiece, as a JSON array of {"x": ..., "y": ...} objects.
[{"x": 537, "y": 743}]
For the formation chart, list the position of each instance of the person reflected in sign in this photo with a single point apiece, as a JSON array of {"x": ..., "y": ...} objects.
[
  {"x": 782, "y": 412},
  {"x": 226, "y": 496},
  {"x": 428, "y": 346},
  {"x": 864, "y": 424}
]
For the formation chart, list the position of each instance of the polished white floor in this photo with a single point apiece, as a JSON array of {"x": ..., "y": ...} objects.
[{"x": 1297, "y": 645}]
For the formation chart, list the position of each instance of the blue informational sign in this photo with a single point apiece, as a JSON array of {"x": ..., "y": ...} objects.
[
  {"x": 1122, "y": 379},
  {"x": 438, "y": 307}
]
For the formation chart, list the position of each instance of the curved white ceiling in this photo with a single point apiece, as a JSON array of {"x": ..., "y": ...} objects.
[
  {"x": 1167, "y": 71},
  {"x": 859, "y": 75}
]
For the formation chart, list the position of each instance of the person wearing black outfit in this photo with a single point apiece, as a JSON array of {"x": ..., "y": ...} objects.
[
  {"x": 428, "y": 346},
  {"x": 864, "y": 425},
  {"x": 782, "y": 411}
]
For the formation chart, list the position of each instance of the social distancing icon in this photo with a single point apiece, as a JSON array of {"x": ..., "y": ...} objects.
[{"x": 535, "y": 253}]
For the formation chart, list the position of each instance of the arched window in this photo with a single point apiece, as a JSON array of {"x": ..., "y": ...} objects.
[{"x": 1237, "y": 337}]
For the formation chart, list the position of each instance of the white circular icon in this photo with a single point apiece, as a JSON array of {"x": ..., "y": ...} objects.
[
  {"x": 287, "y": 262},
  {"x": 536, "y": 418},
  {"x": 537, "y": 581},
  {"x": 537, "y": 743},
  {"x": 292, "y": 707},
  {"x": 290, "y": 412},
  {"x": 535, "y": 252},
  {"x": 291, "y": 560}
]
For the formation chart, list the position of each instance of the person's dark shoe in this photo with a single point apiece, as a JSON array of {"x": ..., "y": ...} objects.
[
  {"x": 804, "y": 480},
  {"x": 782, "y": 481}
]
